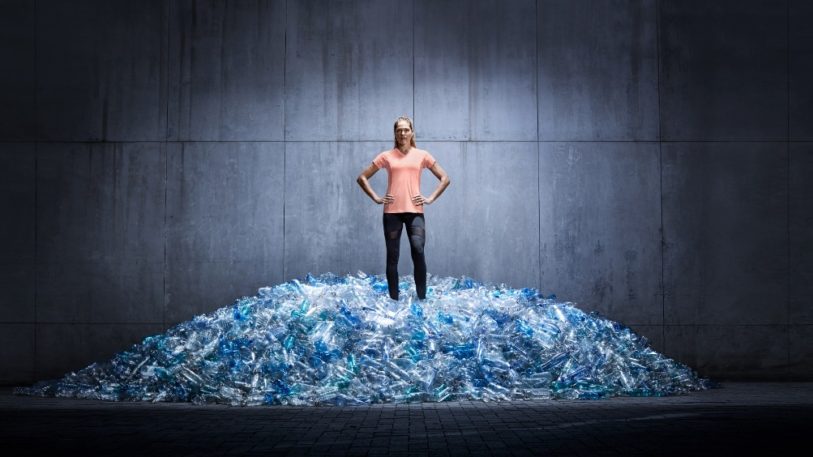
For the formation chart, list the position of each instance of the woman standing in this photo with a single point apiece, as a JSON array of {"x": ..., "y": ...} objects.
[{"x": 403, "y": 202}]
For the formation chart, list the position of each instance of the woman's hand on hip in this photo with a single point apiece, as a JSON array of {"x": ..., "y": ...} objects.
[
  {"x": 419, "y": 200},
  {"x": 388, "y": 198}
]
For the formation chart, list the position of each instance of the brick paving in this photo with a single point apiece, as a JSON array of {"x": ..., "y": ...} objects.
[{"x": 737, "y": 419}]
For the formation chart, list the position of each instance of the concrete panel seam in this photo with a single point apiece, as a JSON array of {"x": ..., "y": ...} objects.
[
  {"x": 284, "y": 132},
  {"x": 660, "y": 165},
  {"x": 787, "y": 182},
  {"x": 222, "y": 91},
  {"x": 285, "y": 74},
  {"x": 36, "y": 171},
  {"x": 469, "y": 53},
  {"x": 538, "y": 160},
  {"x": 166, "y": 231},
  {"x": 164, "y": 304},
  {"x": 284, "y": 176},
  {"x": 536, "y": 83},
  {"x": 165, "y": 83}
]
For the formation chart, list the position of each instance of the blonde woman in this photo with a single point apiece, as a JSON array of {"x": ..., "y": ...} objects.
[{"x": 403, "y": 202}]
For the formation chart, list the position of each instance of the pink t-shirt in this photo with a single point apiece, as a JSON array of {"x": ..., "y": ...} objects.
[{"x": 404, "y": 181}]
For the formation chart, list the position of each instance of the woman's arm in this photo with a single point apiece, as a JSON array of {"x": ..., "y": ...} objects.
[
  {"x": 440, "y": 173},
  {"x": 362, "y": 180}
]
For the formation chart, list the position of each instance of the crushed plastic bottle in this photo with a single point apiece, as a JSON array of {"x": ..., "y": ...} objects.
[{"x": 341, "y": 340}]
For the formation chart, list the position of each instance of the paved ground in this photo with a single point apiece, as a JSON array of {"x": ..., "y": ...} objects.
[{"x": 737, "y": 419}]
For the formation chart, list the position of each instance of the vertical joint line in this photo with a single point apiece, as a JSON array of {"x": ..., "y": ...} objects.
[
  {"x": 536, "y": 72},
  {"x": 166, "y": 230},
  {"x": 538, "y": 158},
  {"x": 167, "y": 18},
  {"x": 36, "y": 257},
  {"x": 660, "y": 171},
  {"x": 787, "y": 188},
  {"x": 35, "y": 367},
  {"x": 284, "y": 175},
  {"x": 221, "y": 98},
  {"x": 284, "y": 73},
  {"x": 284, "y": 134},
  {"x": 168, "y": 12},
  {"x": 469, "y": 47}
]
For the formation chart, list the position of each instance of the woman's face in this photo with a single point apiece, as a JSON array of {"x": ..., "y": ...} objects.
[{"x": 403, "y": 133}]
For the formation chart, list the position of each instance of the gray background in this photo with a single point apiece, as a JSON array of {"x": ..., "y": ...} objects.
[{"x": 648, "y": 160}]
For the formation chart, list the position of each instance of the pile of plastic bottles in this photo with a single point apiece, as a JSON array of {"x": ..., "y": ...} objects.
[{"x": 341, "y": 340}]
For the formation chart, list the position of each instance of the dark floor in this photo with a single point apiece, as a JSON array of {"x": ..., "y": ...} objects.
[{"x": 737, "y": 419}]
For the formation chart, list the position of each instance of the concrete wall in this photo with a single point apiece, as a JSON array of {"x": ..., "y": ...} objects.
[{"x": 649, "y": 160}]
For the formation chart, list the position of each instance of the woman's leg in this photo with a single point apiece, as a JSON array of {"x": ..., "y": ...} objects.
[
  {"x": 416, "y": 231},
  {"x": 392, "y": 236}
]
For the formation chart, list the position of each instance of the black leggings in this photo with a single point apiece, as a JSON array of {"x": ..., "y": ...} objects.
[{"x": 416, "y": 231}]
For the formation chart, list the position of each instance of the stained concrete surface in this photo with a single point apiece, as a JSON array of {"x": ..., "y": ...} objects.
[
  {"x": 578, "y": 40},
  {"x": 800, "y": 68},
  {"x": 101, "y": 70},
  {"x": 18, "y": 108},
  {"x": 724, "y": 70},
  {"x": 800, "y": 221},
  {"x": 330, "y": 223},
  {"x": 725, "y": 233},
  {"x": 600, "y": 227},
  {"x": 486, "y": 224},
  {"x": 225, "y": 70},
  {"x": 348, "y": 66},
  {"x": 224, "y": 223}
]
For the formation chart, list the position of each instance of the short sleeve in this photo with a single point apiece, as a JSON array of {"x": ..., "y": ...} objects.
[
  {"x": 428, "y": 161},
  {"x": 381, "y": 160}
]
